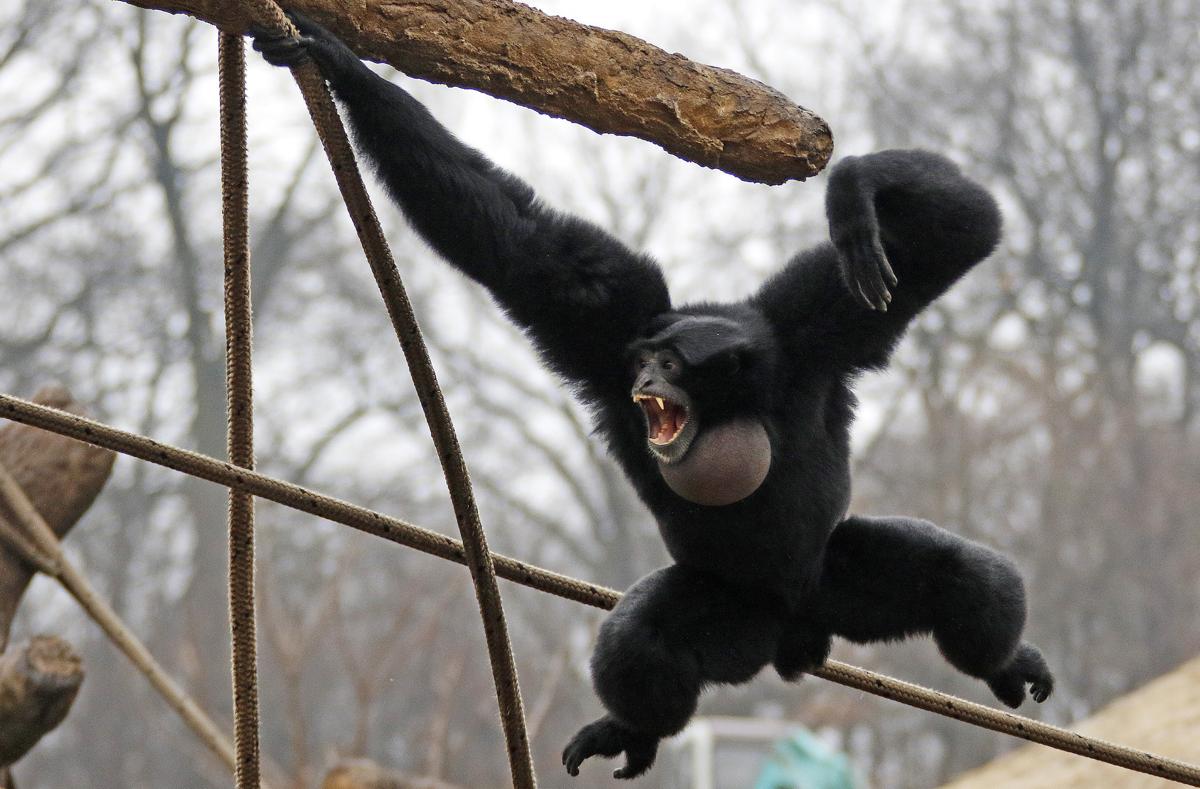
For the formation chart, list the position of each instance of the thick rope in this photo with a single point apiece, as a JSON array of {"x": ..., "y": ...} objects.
[
  {"x": 563, "y": 586},
  {"x": 239, "y": 403},
  {"x": 12, "y": 538},
  {"x": 39, "y": 534},
  {"x": 479, "y": 559}
]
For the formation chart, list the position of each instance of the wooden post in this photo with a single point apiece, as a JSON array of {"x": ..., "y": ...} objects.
[
  {"x": 38, "y": 683},
  {"x": 39, "y": 679}
]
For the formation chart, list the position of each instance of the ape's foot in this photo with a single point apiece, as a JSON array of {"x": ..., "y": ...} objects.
[
  {"x": 606, "y": 737},
  {"x": 800, "y": 650},
  {"x": 1027, "y": 667}
]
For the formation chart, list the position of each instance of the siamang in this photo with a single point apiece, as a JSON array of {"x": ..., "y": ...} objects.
[{"x": 731, "y": 420}]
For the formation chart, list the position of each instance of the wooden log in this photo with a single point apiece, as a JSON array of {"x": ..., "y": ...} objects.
[
  {"x": 38, "y": 683},
  {"x": 606, "y": 80},
  {"x": 61, "y": 476}
]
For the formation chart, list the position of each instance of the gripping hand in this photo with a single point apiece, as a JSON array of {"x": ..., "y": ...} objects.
[
  {"x": 315, "y": 43},
  {"x": 854, "y": 230}
]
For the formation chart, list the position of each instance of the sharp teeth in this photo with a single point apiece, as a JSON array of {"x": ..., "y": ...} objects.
[{"x": 661, "y": 407}]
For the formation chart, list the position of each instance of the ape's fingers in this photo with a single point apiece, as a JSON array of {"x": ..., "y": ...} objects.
[
  {"x": 860, "y": 294},
  {"x": 870, "y": 274},
  {"x": 888, "y": 273},
  {"x": 281, "y": 51},
  {"x": 307, "y": 27},
  {"x": 884, "y": 269}
]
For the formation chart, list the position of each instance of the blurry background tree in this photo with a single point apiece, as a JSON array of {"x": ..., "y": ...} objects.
[{"x": 1047, "y": 406}]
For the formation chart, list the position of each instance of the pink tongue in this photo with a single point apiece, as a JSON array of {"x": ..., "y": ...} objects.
[{"x": 666, "y": 426}]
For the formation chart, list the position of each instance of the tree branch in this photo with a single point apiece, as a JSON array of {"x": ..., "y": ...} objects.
[{"x": 606, "y": 80}]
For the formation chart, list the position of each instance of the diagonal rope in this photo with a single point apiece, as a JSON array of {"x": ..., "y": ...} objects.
[
  {"x": 479, "y": 559},
  {"x": 12, "y": 538},
  {"x": 239, "y": 403},
  {"x": 430, "y": 542}
]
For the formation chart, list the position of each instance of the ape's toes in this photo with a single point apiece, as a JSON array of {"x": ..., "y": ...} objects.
[
  {"x": 1033, "y": 668},
  {"x": 607, "y": 737},
  {"x": 1009, "y": 688},
  {"x": 1027, "y": 667},
  {"x": 577, "y": 751},
  {"x": 1041, "y": 685},
  {"x": 800, "y": 651},
  {"x": 639, "y": 757},
  {"x": 599, "y": 738}
]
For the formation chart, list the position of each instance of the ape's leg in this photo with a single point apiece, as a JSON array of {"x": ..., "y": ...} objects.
[
  {"x": 673, "y": 632},
  {"x": 888, "y": 578}
]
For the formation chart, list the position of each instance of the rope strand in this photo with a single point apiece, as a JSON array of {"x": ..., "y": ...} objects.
[
  {"x": 239, "y": 403},
  {"x": 403, "y": 533},
  {"x": 387, "y": 277}
]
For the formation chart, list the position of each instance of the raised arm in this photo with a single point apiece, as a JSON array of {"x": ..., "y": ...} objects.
[
  {"x": 904, "y": 226},
  {"x": 579, "y": 292}
]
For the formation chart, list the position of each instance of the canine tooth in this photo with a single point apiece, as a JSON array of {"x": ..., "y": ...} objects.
[{"x": 660, "y": 404}]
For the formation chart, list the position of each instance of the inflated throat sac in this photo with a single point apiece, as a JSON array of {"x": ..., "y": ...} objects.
[{"x": 724, "y": 465}]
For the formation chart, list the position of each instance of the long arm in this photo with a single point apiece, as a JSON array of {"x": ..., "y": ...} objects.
[
  {"x": 904, "y": 226},
  {"x": 579, "y": 292}
]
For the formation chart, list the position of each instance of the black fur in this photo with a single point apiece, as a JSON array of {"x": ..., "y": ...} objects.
[{"x": 768, "y": 579}]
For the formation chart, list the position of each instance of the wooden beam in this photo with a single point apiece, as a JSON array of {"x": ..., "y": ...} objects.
[{"x": 606, "y": 80}]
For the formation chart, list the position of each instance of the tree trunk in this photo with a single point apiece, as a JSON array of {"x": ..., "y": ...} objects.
[
  {"x": 606, "y": 80},
  {"x": 61, "y": 477},
  {"x": 38, "y": 683}
]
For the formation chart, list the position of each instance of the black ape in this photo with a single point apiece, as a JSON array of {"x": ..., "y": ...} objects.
[{"x": 731, "y": 420}]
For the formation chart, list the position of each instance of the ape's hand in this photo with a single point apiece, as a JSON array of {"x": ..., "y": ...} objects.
[
  {"x": 315, "y": 42},
  {"x": 854, "y": 230}
]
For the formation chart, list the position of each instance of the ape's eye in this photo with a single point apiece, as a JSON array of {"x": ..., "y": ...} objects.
[{"x": 668, "y": 365}]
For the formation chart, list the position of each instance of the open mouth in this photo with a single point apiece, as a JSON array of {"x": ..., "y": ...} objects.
[{"x": 665, "y": 419}]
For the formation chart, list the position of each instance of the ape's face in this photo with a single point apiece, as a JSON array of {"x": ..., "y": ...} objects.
[
  {"x": 657, "y": 388},
  {"x": 692, "y": 382}
]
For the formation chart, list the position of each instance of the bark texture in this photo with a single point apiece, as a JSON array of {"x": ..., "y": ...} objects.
[
  {"x": 606, "y": 80},
  {"x": 61, "y": 477},
  {"x": 38, "y": 683}
]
